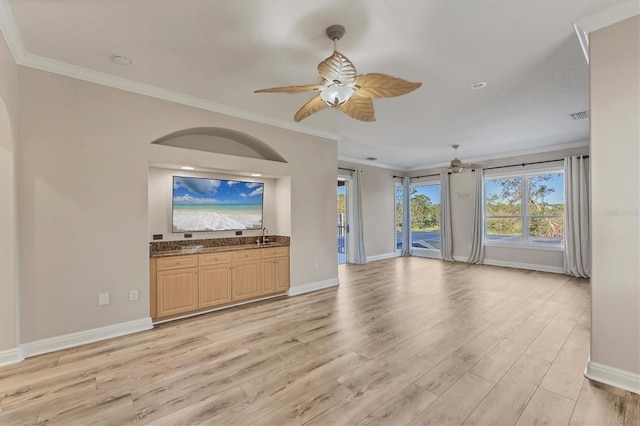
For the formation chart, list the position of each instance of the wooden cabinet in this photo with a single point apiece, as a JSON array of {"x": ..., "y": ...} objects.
[
  {"x": 215, "y": 279},
  {"x": 176, "y": 286},
  {"x": 282, "y": 273},
  {"x": 214, "y": 285},
  {"x": 188, "y": 283},
  {"x": 275, "y": 270},
  {"x": 246, "y": 274}
]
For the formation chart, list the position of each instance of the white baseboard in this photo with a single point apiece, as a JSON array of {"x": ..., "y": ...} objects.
[
  {"x": 382, "y": 256},
  {"x": 307, "y": 288},
  {"x": 10, "y": 356},
  {"x": 530, "y": 266},
  {"x": 83, "y": 337},
  {"x": 613, "y": 376}
]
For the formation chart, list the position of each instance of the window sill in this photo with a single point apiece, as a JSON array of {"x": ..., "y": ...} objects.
[{"x": 523, "y": 246}]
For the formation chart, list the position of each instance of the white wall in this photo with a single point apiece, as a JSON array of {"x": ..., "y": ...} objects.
[
  {"x": 160, "y": 205},
  {"x": 615, "y": 202},
  {"x": 8, "y": 235},
  {"x": 83, "y": 164}
]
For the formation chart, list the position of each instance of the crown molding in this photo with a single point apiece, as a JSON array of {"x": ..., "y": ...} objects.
[
  {"x": 604, "y": 18},
  {"x": 11, "y": 34}
]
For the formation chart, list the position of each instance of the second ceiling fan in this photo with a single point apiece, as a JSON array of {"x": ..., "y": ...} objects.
[
  {"x": 343, "y": 88},
  {"x": 457, "y": 166}
]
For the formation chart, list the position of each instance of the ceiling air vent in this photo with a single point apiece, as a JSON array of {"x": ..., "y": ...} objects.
[
  {"x": 371, "y": 158},
  {"x": 580, "y": 115}
]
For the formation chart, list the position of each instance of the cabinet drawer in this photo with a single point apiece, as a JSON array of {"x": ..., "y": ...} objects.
[
  {"x": 215, "y": 258},
  {"x": 275, "y": 251},
  {"x": 246, "y": 255},
  {"x": 176, "y": 262}
]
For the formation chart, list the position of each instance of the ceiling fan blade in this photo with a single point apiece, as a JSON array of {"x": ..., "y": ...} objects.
[
  {"x": 441, "y": 169},
  {"x": 360, "y": 108},
  {"x": 291, "y": 89},
  {"x": 377, "y": 85},
  {"x": 471, "y": 165},
  {"x": 311, "y": 107},
  {"x": 338, "y": 67}
]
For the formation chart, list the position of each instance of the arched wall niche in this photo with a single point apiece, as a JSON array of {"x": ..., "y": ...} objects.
[
  {"x": 222, "y": 141},
  {"x": 9, "y": 337}
]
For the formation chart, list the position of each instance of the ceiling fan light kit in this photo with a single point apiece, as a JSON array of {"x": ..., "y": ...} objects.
[{"x": 343, "y": 88}]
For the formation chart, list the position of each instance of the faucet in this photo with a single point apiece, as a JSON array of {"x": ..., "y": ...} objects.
[{"x": 263, "y": 236}]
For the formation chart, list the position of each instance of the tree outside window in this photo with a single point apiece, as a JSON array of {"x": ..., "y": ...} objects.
[
  {"x": 425, "y": 216},
  {"x": 525, "y": 209}
]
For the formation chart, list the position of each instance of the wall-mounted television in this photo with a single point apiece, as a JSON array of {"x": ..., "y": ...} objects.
[{"x": 204, "y": 205}]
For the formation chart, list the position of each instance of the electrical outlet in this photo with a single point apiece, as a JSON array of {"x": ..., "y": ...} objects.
[
  {"x": 103, "y": 299},
  {"x": 238, "y": 232},
  {"x": 188, "y": 235},
  {"x": 157, "y": 236},
  {"x": 133, "y": 295}
]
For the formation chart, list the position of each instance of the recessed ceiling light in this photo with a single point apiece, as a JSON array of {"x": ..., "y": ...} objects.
[
  {"x": 371, "y": 158},
  {"x": 479, "y": 85},
  {"x": 121, "y": 60},
  {"x": 256, "y": 174},
  {"x": 187, "y": 168}
]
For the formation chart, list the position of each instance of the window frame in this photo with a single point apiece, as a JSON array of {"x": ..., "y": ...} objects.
[
  {"x": 398, "y": 250},
  {"x": 525, "y": 238},
  {"x": 419, "y": 251}
]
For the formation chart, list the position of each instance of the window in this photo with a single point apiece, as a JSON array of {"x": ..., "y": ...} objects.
[
  {"x": 525, "y": 209},
  {"x": 399, "y": 206},
  {"x": 425, "y": 216}
]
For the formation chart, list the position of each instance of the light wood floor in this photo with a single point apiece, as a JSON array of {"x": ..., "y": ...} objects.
[{"x": 401, "y": 341}]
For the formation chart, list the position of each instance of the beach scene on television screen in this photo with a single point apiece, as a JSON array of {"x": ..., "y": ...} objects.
[{"x": 216, "y": 205}]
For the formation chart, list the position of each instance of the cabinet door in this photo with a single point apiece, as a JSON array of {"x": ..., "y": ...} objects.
[
  {"x": 246, "y": 280},
  {"x": 281, "y": 273},
  {"x": 177, "y": 291},
  {"x": 268, "y": 276},
  {"x": 215, "y": 285}
]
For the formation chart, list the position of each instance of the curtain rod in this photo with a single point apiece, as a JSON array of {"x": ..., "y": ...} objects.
[
  {"x": 533, "y": 162},
  {"x": 418, "y": 177},
  {"x": 344, "y": 168},
  {"x": 499, "y": 167}
]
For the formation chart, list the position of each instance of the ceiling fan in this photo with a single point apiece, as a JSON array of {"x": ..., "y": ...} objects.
[
  {"x": 343, "y": 88},
  {"x": 458, "y": 166}
]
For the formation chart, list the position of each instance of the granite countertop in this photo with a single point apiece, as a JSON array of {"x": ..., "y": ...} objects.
[{"x": 202, "y": 250}]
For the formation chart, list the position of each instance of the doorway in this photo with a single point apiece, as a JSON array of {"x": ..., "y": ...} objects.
[{"x": 343, "y": 227}]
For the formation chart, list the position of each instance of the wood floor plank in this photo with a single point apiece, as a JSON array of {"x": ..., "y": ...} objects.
[
  {"x": 444, "y": 347},
  {"x": 107, "y": 410},
  {"x": 372, "y": 385},
  {"x": 404, "y": 408},
  {"x": 565, "y": 375},
  {"x": 631, "y": 408},
  {"x": 307, "y": 406},
  {"x": 508, "y": 399},
  {"x": 596, "y": 406},
  {"x": 547, "y": 408},
  {"x": 455, "y": 405},
  {"x": 216, "y": 408},
  {"x": 552, "y": 338}
]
